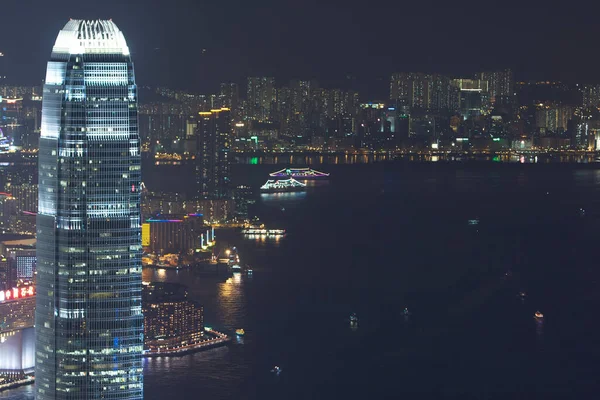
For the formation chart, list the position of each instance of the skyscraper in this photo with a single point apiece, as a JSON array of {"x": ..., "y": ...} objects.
[
  {"x": 89, "y": 323},
  {"x": 500, "y": 84},
  {"x": 212, "y": 156},
  {"x": 260, "y": 96}
]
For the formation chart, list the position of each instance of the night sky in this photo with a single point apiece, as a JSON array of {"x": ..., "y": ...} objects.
[{"x": 341, "y": 43}]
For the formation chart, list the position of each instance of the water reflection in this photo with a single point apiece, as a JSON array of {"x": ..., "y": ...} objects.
[
  {"x": 343, "y": 158},
  {"x": 271, "y": 197},
  {"x": 231, "y": 301}
]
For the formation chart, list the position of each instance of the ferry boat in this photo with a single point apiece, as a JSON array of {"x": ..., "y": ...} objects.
[
  {"x": 240, "y": 332},
  {"x": 299, "y": 173},
  {"x": 261, "y": 230},
  {"x": 282, "y": 185}
]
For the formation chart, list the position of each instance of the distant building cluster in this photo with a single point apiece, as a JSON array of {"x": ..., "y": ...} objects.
[{"x": 488, "y": 110}]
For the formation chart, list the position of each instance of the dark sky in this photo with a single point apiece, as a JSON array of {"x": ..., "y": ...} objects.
[{"x": 338, "y": 42}]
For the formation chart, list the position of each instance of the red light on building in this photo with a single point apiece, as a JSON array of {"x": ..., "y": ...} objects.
[{"x": 17, "y": 293}]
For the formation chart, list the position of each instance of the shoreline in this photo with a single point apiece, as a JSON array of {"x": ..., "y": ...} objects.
[{"x": 221, "y": 339}]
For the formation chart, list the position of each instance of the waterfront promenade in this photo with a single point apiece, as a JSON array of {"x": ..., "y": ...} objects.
[{"x": 219, "y": 339}]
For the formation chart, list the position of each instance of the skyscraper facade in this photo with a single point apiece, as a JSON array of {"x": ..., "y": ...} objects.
[
  {"x": 260, "y": 96},
  {"x": 500, "y": 84},
  {"x": 212, "y": 157},
  {"x": 89, "y": 323}
]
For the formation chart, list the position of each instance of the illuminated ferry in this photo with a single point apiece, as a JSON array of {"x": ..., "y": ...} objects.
[
  {"x": 262, "y": 231},
  {"x": 282, "y": 185},
  {"x": 299, "y": 173}
]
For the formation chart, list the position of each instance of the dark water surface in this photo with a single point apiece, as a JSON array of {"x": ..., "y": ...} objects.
[{"x": 377, "y": 238}]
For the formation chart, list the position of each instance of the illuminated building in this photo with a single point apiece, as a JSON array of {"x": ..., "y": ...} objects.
[
  {"x": 17, "y": 336},
  {"x": 591, "y": 96},
  {"x": 7, "y": 209},
  {"x": 17, "y": 308},
  {"x": 17, "y": 354},
  {"x": 89, "y": 323},
  {"x": 473, "y": 97},
  {"x": 25, "y": 195},
  {"x": 260, "y": 96},
  {"x": 230, "y": 97},
  {"x": 176, "y": 233},
  {"x": 213, "y": 161},
  {"x": 551, "y": 118},
  {"x": 4, "y": 272},
  {"x": 170, "y": 318},
  {"x": 500, "y": 85},
  {"x": 412, "y": 87}
]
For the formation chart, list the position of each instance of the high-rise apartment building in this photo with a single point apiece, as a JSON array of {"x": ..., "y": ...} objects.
[
  {"x": 260, "y": 98},
  {"x": 89, "y": 323},
  {"x": 412, "y": 87},
  {"x": 229, "y": 96},
  {"x": 212, "y": 156},
  {"x": 591, "y": 96},
  {"x": 500, "y": 85},
  {"x": 473, "y": 97}
]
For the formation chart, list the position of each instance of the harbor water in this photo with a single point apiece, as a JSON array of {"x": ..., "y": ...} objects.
[{"x": 454, "y": 243}]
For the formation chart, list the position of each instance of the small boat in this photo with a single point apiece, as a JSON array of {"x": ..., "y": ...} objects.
[
  {"x": 276, "y": 370},
  {"x": 405, "y": 312},
  {"x": 353, "y": 318},
  {"x": 538, "y": 315},
  {"x": 240, "y": 332}
]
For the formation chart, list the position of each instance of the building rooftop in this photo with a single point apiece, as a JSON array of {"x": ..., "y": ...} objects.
[{"x": 96, "y": 37}]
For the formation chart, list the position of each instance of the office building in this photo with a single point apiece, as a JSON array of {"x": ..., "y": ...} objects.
[
  {"x": 212, "y": 156},
  {"x": 176, "y": 233},
  {"x": 89, "y": 323}
]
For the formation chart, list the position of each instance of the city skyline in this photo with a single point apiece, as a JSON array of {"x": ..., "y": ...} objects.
[
  {"x": 338, "y": 44},
  {"x": 89, "y": 333}
]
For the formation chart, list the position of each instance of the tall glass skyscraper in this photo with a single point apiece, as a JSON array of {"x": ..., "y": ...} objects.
[
  {"x": 213, "y": 162},
  {"x": 89, "y": 333}
]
